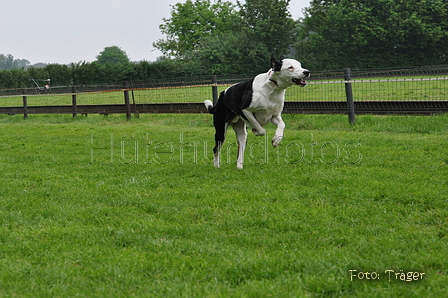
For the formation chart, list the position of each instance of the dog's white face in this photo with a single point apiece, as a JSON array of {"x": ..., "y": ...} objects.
[{"x": 292, "y": 73}]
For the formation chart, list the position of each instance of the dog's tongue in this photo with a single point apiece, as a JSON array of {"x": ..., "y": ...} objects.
[{"x": 299, "y": 81}]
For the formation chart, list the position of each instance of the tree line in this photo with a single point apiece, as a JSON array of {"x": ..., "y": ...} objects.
[
  {"x": 374, "y": 34},
  {"x": 204, "y": 37},
  {"x": 86, "y": 73},
  {"x": 7, "y": 62},
  {"x": 333, "y": 34}
]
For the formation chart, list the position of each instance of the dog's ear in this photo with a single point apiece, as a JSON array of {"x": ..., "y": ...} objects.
[{"x": 276, "y": 65}]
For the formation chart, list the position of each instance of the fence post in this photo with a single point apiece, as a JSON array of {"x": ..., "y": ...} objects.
[
  {"x": 126, "y": 100},
  {"x": 349, "y": 95},
  {"x": 215, "y": 88},
  {"x": 25, "y": 104},
  {"x": 74, "y": 105}
]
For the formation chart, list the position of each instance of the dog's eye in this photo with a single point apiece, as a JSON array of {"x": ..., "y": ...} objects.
[{"x": 291, "y": 68}]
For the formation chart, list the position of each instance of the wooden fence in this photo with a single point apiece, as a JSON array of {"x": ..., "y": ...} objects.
[{"x": 414, "y": 91}]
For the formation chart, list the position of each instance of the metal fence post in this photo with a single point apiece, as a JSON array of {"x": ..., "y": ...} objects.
[
  {"x": 74, "y": 105},
  {"x": 25, "y": 104},
  {"x": 126, "y": 100},
  {"x": 349, "y": 95},
  {"x": 215, "y": 88}
]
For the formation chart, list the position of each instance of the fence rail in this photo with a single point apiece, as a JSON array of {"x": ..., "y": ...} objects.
[
  {"x": 291, "y": 107},
  {"x": 387, "y": 91}
]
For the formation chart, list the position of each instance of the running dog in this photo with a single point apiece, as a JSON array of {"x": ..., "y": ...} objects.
[{"x": 255, "y": 102}]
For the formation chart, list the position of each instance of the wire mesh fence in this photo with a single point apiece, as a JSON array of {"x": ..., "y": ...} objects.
[
  {"x": 426, "y": 83},
  {"x": 404, "y": 84}
]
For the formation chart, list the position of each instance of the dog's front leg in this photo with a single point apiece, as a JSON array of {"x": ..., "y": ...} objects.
[
  {"x": 278, "y": 121},
  {"x": 256, "y": 127}
]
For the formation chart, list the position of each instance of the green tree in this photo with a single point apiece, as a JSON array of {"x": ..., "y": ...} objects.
[
  {"x": 19, "y": 63},
  {"x": 269, "y": 22},
  {"x": 2, "y": 62},
  {"x": 59, "y": 74},
  {"x": 231, "y": 53},
  {"x": 225, "y": 38},
  {"x": 14, "y": 78},
  {"x": 193, "y": 20},
  {"x": 382, "y": 33},
  {"x": 112, "y": 55},
  {"x": 6, "y": 61}
]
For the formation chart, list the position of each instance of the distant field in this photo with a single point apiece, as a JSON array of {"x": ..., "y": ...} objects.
[
  {"x": 102, "y": 207},
  {"x": 315, "y": 91}
]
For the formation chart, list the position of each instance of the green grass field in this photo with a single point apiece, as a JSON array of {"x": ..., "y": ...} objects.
[{"x": 100, "y": 207}]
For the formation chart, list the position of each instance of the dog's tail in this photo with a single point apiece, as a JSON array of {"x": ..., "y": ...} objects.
[{"x": 209, "y": 106}]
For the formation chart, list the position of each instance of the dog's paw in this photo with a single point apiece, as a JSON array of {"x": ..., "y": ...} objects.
[
  {"x": 261, "y": 132},
  {"x": 276, "y": 141}
]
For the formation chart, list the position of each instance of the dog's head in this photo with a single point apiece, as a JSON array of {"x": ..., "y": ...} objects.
[{"x": 288, "y": 72}]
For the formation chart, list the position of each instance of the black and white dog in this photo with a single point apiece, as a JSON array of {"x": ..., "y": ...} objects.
[{"x": 255, "y": 102}]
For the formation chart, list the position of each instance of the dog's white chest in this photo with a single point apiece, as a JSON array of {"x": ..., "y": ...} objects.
[{"x": 266, "y": 103}]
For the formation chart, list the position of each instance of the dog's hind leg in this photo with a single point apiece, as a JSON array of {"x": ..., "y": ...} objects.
[
  {"x": 220, "y": 135},
  {"x": 217, "y": 154},
  {"x": 241, "y": 137}
]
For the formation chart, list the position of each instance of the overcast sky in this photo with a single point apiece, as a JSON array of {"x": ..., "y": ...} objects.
[{"x": 65, "y": 31}]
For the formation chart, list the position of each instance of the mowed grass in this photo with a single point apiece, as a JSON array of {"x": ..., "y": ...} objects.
[{"x": 100, "y": 207}]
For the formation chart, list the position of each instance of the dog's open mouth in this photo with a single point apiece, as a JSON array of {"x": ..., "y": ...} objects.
[{"x": 300, "y": 82}]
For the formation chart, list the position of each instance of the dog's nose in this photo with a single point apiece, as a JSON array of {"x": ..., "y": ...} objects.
[{"x": 306, "y": 73}]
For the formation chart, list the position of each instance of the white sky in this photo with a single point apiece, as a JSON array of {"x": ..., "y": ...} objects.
[{"x": 65, "y": 31}]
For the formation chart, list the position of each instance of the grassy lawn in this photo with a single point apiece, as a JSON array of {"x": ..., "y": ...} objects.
[{"x": 100, "y": 207}]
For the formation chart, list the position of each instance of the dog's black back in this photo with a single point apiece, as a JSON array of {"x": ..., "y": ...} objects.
[{"x": 232, "y": 101}]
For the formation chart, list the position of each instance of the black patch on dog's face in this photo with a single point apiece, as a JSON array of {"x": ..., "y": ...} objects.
[{"x": 276, "y": 65}]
